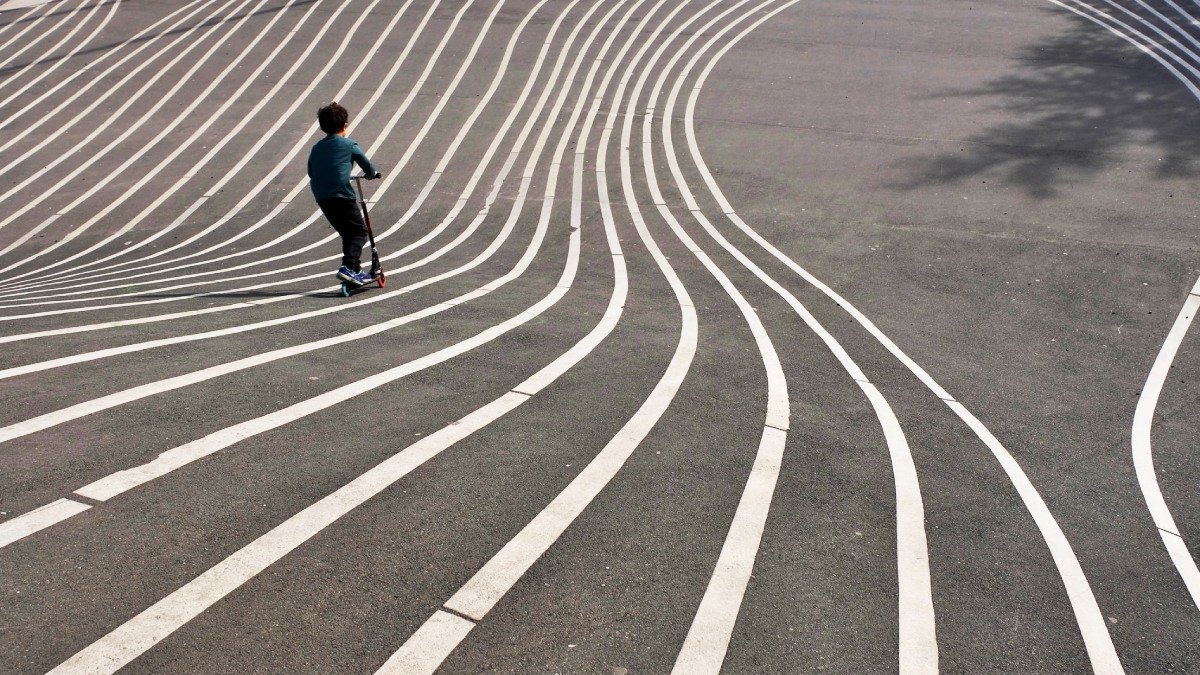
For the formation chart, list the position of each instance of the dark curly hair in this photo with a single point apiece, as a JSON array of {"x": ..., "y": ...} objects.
[{"x": 333, "y": 118}]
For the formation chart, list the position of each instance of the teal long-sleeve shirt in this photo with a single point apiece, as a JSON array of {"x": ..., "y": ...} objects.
[{"x": 329, "y": 165}]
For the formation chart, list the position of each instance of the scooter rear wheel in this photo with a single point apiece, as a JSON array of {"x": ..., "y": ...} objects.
[{"x": 345, "y": 290}]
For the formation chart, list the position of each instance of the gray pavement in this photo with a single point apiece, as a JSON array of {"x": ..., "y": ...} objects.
[{"x": 958, "y": 238}]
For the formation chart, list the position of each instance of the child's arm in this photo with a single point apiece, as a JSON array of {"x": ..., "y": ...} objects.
[{"x": 365, "y": 164}]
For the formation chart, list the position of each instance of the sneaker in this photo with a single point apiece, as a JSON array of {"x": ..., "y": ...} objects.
[{"x": 351, "y": 277}]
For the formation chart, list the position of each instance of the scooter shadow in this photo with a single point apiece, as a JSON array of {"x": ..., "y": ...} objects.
[{"x": 241, "y": 294}]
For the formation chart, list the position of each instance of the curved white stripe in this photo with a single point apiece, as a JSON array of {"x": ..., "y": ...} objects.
[
  {"x": 96, "y": 155},
  {"x": 497, "y": 139},
  {"x": 1091, "y": 622},
  {"x": 61, "y": 59},
  {"x": 472, "y": 182},
  {"x": 195, "y": 5},
  {"x": 124, "y": 480},
  {"x": 161, "y": 164},
  {"x": 424, "y": 651},
  {"x": 128, "y": 130},
  {"x": 394, "y": 171},
  {"x": 707, "y": 640},
  {"x": 1143, "y": 461},
  {"x": 247, "y": 198},
  {"x": 476, "y": 176},
  {"x": 280, "y": 165},
  {"x": 32, "y": 43},
  {"x": 166, "y": 616},
  {"x": 111, "y": 90},
  {"x": 22, "y": 19}
]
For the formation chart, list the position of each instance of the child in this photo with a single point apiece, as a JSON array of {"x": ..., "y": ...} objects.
[{"x": 329, "y": 166}]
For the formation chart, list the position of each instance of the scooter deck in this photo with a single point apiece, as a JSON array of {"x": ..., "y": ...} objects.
[{"x": 347, "y": 288}]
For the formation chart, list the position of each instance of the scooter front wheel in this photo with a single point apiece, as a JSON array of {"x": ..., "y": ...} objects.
[
  {"x": 345, "y": 290},
  {"x": 381, "y": 279}
]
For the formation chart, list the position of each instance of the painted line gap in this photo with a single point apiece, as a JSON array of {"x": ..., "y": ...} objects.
[
  {"x": 455, "y": 612},
  {"x": 90, "y": 501}
]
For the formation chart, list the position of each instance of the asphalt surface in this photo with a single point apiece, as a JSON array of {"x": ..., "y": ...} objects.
[{"x": 756, "y": 336}]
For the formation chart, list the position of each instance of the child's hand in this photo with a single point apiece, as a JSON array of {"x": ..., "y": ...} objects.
[{"x": 378, "y": 174}]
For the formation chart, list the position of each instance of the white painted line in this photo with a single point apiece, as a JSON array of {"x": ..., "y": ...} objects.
[
  {"x": 115, "y": 484},
  {"x": 38, "y": 519},
  {"x": 504, "y": 569},
  {"x": 142, "y": 632},
  {"x": 1143, "y": 459},
  {"x": 450, "y": 217},
  {"x": 141, "y": 36},
  {"x": 708, "y": 637},
  {"x": 1180, "y": 556},
  {"x": 18, "y": 4},
  {"x": 161, "y": 164},
  {"x": 1091, "y": 622},
  {"x": 918, "y": 631},
  {"x": 142, "y": 118},
  {"x": 43, "y": 33},
  {"x": 280, "y": 165},
  {"x": 1163, "y": 34},
  {"x": 1092, "y": 627},
  {"x": 149, "y": 627},
  {"x": 918, "y": 643},
  {"x": 298, "y": 146},
  {"x": 21, "y": 4},
  {"x": 316, "y": 214},
  {"x": 98, "y": 129},
  {"x": 431, "y": 644},
  {"x": 169, "y": 461},
  {"x": 185, "y": 79},
  {"x": 62, "y": 58}
]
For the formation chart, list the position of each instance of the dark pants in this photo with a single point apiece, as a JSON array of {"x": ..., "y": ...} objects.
[{"x": 345, "y": 217}]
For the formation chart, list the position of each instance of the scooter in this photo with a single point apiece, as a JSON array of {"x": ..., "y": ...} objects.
[{"x": 377, "y": 275}]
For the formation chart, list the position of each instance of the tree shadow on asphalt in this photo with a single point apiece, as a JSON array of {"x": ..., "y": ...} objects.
[{"x": 1080, "y": 101}]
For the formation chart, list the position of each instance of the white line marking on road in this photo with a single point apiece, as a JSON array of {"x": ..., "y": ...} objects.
[
  {"x": 24, "y": 18},
  {"x": 1143, "y": 418},
  {"x": 161, "y": 164},
  {"x": 431, "y": 118},
  {"x": 467, "y": 190},
  {"x": 507, "y": 566},
  {"x": 152, "y": 625},
  {"x": 99, "y": 129},
  {"x": 39, "y": 519},
  {"x": 21, "y": 4},
  {"x": 1091, "y": 622},
  {"x": 279, "y": 167},
  {"x": 708, "y": 637},
  {"x": 121, "y": 481},
  {"x": 32, "y": 43},
  {"x": 1143, "y": 459},
  {"x": 62, "y": 58},
  {"x": 149, "y": 627},
  {"x": 429, "y": 646},
  {"x": 918, "y": 641},
  {"x": 95, "y": 156},
  {"x": 146, "y": 43},
  {"x": 143, "y": 631}
]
